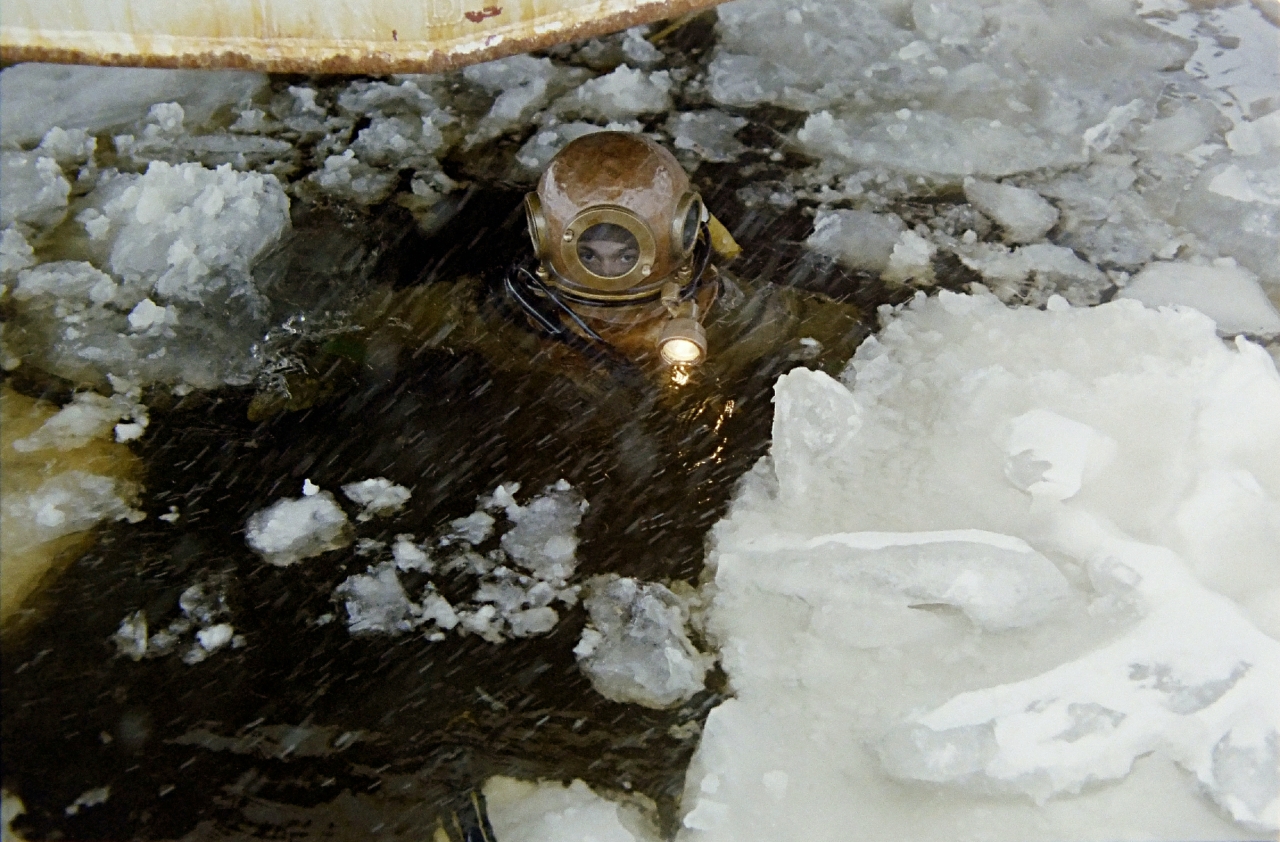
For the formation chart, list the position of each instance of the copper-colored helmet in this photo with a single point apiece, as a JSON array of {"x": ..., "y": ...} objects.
[{"x": 615, "y": 185}]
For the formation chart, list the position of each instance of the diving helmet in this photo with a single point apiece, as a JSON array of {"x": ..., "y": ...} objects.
[{"x": 613, "y": 220}]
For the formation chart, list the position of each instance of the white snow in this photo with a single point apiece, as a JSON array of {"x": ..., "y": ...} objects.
[
  {"x": 1071, "y": 631},
  {"x": 549, "y": 811},
  {"x": 378, "y": 497},
  {"x": 294, "y": 529},
  {"x": 636, "y": 648},
  {"x": 1228, "y": 294}
]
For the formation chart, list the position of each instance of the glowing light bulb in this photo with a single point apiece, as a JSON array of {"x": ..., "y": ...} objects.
[
  {"x": 683, "y": 342},
  {"x": 677, "y": 351}
]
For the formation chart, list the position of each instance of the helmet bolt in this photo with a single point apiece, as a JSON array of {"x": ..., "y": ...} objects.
[
  {"x": 646, "y": 270},
  {"x": 568, "y": 236}
]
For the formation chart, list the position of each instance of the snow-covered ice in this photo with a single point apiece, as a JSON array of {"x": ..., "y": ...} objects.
[
  {"x": 294, "y": 529},
  {"x": 1226, "y": 293},
  {"x": 1105, "y": 480},
  {"x": 636, "y": 647},
  {"x": 378, "y": 497}
]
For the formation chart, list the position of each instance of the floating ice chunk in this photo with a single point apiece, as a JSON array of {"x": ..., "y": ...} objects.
[
  {"x": 483, "y": 622},
  {"x": 376, "y": 602},
  {"x": 523, "y": 85},
  {"x": 1022, "y": 213},
  {"x": 88, "y": 416},
  {"x": 409, "y": 556},
  {"x": 147, "y": 315},
  {"x": 35, "y": 98},
  {"x": 378, "y": 496},
  {"x": 437, "y": 610},
  {"x": 309, "y": 488},
  {"x": 15, "y": 252},
  {"x": 215, "y": 637},
  {"x": 1049, "y": 455},
  {"x": 292, "y": 529},
  {"x": 1104, "y": 135},
  {"x": 71, "y": 502},
  {"x": 532, "y": 621},
  {"x": 910, "y": 260},
  {"x": 186, "y": 230},
  {"x": 544, "y": 537},
  {"x": 131, "y": 638},
  {"x": 474, "y": 528},
  {"x": 89, "y": 798},
  {"x": 348, "y": 177},
  {"x": 1180, "y": 132},
  {"x": 636, "y": 649},
  {"x": 859, "y": 239},
  {"x": 33, "y": 190},
  {"x": 1252, "y": 137},
  {"x": 932, "y": 144},
  {"x": 549, "y": 811},
  {"x": 67, "y": 285},
  {"x": 709, "y": 134},
  {"x": 1228, "y": 294},
  {"x": 617, "y": 96},
  {"x": 538, "y": 150},
  {"x": 1051, "y": 269},
  {"x": 1247, "y": 184}
]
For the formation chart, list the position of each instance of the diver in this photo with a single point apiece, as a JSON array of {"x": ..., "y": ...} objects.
[{"x": 621, "y": 251}]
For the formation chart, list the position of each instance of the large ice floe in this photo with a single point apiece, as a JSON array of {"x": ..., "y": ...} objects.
[{"x": 1014, "y": 576}]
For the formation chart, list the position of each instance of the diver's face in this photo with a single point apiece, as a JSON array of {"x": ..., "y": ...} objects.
[{"x": 607, "y": 258}]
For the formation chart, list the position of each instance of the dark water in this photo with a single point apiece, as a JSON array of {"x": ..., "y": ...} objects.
[{"x": 308, "y": 733}]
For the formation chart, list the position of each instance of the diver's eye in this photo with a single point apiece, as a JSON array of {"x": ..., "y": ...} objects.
[
  {"x": 586, "y": 255},
  {"x": 629, "y": 257}
]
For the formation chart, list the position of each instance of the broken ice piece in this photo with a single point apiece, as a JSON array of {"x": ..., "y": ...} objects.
[
  {"x": 88, "y": 798},
  {"x": 636, "y": 649},
  {"x": 378, "y": 496},
  {"x": 474, "y": 528},
  {"x": 409, "y": 556},
  {"x": 376, "y": 602},
  {"x": 1226, "y": 293},
  {"x": 292, "y": 529}
]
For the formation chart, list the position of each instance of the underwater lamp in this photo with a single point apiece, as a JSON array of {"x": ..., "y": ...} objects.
[{"x": 683, "y": 341}]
